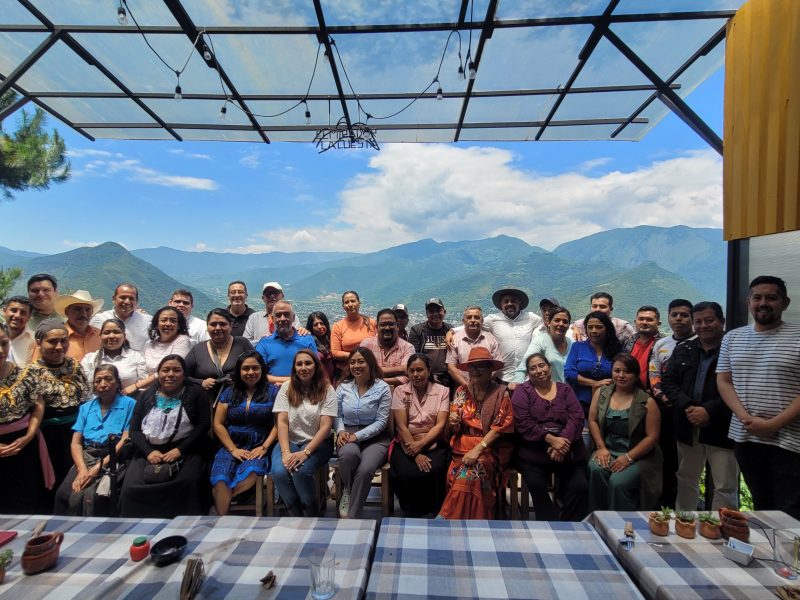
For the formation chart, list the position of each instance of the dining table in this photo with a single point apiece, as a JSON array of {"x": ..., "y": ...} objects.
[
  {"x": 673, "y": 567},
  {"x": 437, "y": 559}
]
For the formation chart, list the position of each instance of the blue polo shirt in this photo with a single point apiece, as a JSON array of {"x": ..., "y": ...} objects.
[
  {"x": 279, "y": 353},
  {"x": 96, "y": 427}
]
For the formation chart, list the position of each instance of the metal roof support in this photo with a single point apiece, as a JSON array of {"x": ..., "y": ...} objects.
[
  {"x": 22, "y": 101},
  {"x": 486, "y": 33},
  {"x": 188, "y": 27},
  {"x": 674, "y": 102},
  {"x": 712, "y": 43},
  {"x": 29, "y": 61},
  {"x": 324, "y": 38},
  {"x": 600, "y": 27}
]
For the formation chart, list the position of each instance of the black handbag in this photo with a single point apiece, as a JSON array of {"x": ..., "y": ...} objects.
[{"x": 163, "y": 472}]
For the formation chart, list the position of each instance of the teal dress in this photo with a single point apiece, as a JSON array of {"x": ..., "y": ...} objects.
[{"x": 614, "y": 491}]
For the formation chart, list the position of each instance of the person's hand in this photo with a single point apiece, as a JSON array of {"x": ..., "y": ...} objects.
[
  {"x": 449, "y": 338},
  {"x": 240, "y": 454},
  {"x": 512, "y": 386},
  {"x": 343, "y": 438},
  {"x": 471, "y": 457},
  {"x": 423, "y": 463},
  {"x": 760, "y": 427},
  {"x": 15, "y": 447},
  {"x": 603, "y": 458},
  {"x": 602, "y": 382},
  {"x": 155, "y": 457},
  {"x": 172, "y": 455},
  {"x": 454, "y": 419},
  {"x": 257, "y": 452},
  {"x": 81, "y": 480},
  {"x": 208, "y": 383},
  {"x": 414, "y": 447},
  {"x": 559, "y": 444},
  {"x": 303, "y": 331},
  {"x": 698, "y": 416},
  {"x": 131, "y": 389},
  {"x": 294, "y": 460},
  {"x": 620, "y": 464},
  {"x": 555, "y": 456}
]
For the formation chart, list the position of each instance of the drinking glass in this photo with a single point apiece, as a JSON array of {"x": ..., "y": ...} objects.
[{"x": 323, "y": 574}]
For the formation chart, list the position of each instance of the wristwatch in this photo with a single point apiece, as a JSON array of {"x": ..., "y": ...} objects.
[
  {"x": 484, "y": 445},
  {"x": 306, "y": 452}
]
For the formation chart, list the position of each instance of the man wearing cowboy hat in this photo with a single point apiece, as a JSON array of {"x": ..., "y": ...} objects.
[{"x": 78, "y": 308}]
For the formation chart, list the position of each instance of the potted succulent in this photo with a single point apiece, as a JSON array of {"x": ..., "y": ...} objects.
[
  {"x": 734, "y": 524},
  {"x": 709, "y": 526},
  {"x": 685, "y": 524},
  {"x": 658, "y": 521},
  {"x": 6, "y": 556}
]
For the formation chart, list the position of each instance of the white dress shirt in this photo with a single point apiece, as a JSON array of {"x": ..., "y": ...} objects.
[
  {"x": 513, "y": 337},
  {"x": 198, "y": 331}
]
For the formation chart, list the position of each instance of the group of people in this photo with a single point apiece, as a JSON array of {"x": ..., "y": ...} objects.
[{"x": 121, "y": 412}]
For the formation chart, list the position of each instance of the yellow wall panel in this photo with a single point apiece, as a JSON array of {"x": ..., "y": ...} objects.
[{"x": 761, "y": 163}]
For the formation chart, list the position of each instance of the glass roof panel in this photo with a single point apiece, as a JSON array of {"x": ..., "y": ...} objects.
[
  {"x": 424, "y": 110},
  {"x": 61, "y": 70},
  {"x": 539, "y": 57},
  {"x": 99, "y": 110},
  {"x": 497, "y": 134},
  {"x": 612, "y": 105},
  {"x": 130, "y": 134},
  {"x": 548, "y": 8},
  {"x": 129, "y": 58},
  {"x": 392, "y": 62},
  {"x": 273, "y": 64},
  {"x": 509, "y": 108},
  {"x": 664, "y": 6},
  {"x": 248, "y": 13},
  {"x": 344, "y": 12},
  {"x": 196, "y": 111},
  {"x": 578, "y": 132},
  {"x": 415, "y": 135},
  {"x": 290, "y": 136},
  {"x": 91, "y": 12},
  {"x": 14, "y": 12},
  {"x": 666, "y": 45},
  {"x": 15, "y": 47},
  {"x": 220, "y": 135},
  {"x": 607, "y": 66},
  {"x": 636, "y": 131}
]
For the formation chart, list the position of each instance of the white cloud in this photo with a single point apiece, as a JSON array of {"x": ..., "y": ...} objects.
[
  {"x": 73, "y": 244},
  {"x": 81, "y": 152},
  {"x": 451, "y": 193},
  {"x": 251, "y": 160},
  {"x": 180, "y": 152},
  {"x": 137, "y": 172}
]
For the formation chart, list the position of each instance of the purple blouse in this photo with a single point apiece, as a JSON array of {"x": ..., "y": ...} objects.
[{"x": 535, "y": 417}]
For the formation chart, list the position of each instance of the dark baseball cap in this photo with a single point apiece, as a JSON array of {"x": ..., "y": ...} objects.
[{"x": 434, "y": 302}]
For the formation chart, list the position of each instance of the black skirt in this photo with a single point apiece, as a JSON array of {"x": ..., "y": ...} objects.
[
  {"x": 419, "y": 493},
  {"x": 182, "y": 495},
  {"x": 22, "y": 477}
]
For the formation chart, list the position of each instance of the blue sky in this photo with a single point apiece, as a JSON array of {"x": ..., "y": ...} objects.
[{"x": 255, "y": 197}]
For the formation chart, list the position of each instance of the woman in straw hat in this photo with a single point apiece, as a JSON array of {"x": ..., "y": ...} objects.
[{"x": 480, "y": 416}]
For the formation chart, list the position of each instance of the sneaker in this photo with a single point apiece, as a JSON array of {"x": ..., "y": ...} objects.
[{"x": 344, "y": 504}]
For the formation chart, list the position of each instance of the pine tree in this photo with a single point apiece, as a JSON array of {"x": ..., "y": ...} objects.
[{"x": 30, "y": 157}]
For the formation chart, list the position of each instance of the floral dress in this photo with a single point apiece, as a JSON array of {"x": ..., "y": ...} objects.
[{"x": 472, "y": 490}]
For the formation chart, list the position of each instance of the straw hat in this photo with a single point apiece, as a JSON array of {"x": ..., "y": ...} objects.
[
  {"x": 480, "y": 354},
  {"x": 77, "y": 297}
]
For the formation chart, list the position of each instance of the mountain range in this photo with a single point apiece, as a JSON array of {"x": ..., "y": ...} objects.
[{"x": 640, "y": 265}]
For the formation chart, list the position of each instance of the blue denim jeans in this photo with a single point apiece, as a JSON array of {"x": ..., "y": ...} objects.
[{"x": 297, "y": 489}]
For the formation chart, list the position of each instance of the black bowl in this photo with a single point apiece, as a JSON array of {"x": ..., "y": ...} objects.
[{"x": 168, "y": 550}]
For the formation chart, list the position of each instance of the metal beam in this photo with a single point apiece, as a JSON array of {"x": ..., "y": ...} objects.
[
  {"x": 675, "y": 103},
  {"x": 29, "y": 61},
  {"x": 591, "y": 43},
  {"x": 710, "y": 44},
  {"x": 188, "y": 27},
  {"x": 385, "y": 28},
  {"x": 323, "y": 36},
  {"x": 486, "y": 33},
  {"x": 22, "y": 101}
]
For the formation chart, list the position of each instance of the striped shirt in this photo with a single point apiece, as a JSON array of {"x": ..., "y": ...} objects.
[{"x": 765, "y": 368}]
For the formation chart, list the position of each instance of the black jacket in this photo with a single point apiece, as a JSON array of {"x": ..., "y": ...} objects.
[{"x": 678, "y": 384}]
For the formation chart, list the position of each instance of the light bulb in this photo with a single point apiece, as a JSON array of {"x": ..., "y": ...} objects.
[
  {"x": 473, "y": 70},
  {"x": 222, "y": 112},
  {"x": 178, "y": 95},
  {"x": 439, "y": 94},
  {"x": 461, "y": 72},
  {"x": 308, "y": 117},
  {"x": 325, "y": 57},
  {"x": 122, "y": 15},
  {"x": 207, "y": 56}
]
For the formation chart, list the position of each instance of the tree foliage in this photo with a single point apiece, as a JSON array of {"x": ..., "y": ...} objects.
[
  {"x": 8, "y": 278},
  {"x": 30, "y": 157}
]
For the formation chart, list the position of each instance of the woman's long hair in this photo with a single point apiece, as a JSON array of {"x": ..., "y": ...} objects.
[
  {"x": 316, "y": 389},
  {"x": 612, "y": 345},
  {"x": 375, "y": 371},
  {"x": 149, "y": 397},
  {"x": 239, "y": 387},
  {"x": 152, "y": 331},
  {"x": 325, "y": 346},
  {"x": 364, "y": 319}
]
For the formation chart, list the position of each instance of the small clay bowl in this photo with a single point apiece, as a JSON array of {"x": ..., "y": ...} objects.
[
  {"x": 41, "y": 553},
  {"x": 167, "y": 551}
]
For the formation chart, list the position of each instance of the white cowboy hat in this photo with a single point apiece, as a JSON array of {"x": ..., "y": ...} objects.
[{"x": 77, "y": 297}]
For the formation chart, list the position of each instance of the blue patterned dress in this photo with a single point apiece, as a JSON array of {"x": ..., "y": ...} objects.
[{"x": 248, "y": 428}]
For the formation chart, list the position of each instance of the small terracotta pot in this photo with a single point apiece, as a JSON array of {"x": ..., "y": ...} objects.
[
  {"x": 733, "y": 524},
  {"x": 707, "y": 530},
  {"x": 658, "y": 527},
  {"x": 686, "y": 530},
  {"x": 41, "y": 553}
]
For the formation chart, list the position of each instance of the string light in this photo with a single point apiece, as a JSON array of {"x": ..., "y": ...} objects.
[
  {"x": 461, "y": 71},
  {"x": 178, "y": 94},
  {"x": 223, "y": 111},
  {"x": 308, "y": 113},
  {"x": 473, "y": 70},
  {"x": 439, "y": 93},
  {"x": 122, "y": 15},
  {"x": 207, "y": 56}
]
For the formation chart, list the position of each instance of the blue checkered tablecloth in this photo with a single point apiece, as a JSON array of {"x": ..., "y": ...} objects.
[
  {"x": 417, "y": 558},
  {"x": 674, "y": 567},
  {"x": 92, "y": 551}
]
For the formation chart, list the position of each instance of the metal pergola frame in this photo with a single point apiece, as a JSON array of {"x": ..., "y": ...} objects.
[{"x": 664, "y": 90}]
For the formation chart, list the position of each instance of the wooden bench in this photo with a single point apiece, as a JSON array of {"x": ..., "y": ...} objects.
[{"x": 380, "y": 479}]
